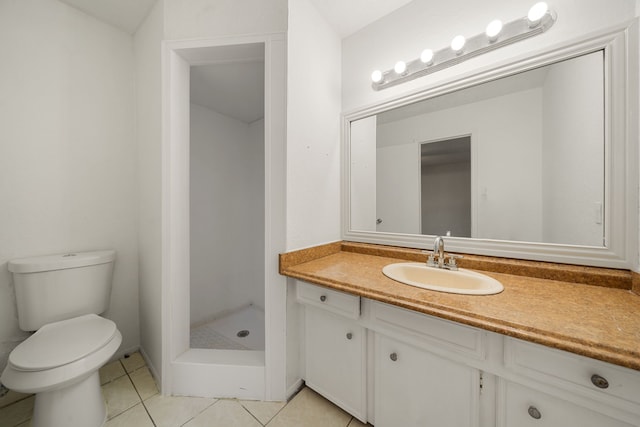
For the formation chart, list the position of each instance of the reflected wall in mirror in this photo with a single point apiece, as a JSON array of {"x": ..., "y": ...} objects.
[{"x": 533, "y": 169}]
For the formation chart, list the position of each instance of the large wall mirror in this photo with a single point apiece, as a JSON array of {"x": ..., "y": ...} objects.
[{"x": 527, "y": 161}]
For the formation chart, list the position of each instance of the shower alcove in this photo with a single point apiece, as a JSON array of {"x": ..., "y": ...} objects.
[{"x": 223, "y": 218}]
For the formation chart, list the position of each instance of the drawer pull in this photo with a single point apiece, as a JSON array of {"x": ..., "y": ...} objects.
[
  {"x": 599, "y": 381},
  {"x": 323, "y": 298},
  {"x": 535, "y": 414},
  {"x": 349, "y": 335},
  {"x": 393, "y": 356}
]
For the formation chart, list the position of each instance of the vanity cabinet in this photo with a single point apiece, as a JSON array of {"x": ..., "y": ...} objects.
[
  {"x": 396, "y": 367},
  {"x": 335, "y": 347},
  {"x": 416, "y": 388}
]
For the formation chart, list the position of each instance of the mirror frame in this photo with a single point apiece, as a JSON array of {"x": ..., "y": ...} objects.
[{"x": 620, "y": 46}]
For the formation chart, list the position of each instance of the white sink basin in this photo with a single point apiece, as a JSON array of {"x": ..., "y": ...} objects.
[{"x": 437, "y": 279}]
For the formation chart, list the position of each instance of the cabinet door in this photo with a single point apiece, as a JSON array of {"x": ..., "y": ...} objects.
[
  {"x": 335, "y": 360},
  {"x": 524, "y": 407},
  {"x": 416, "y": 388}
]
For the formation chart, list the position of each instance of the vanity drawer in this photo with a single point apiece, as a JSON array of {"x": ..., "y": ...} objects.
[
  {"x": 567, "y": 370},
  {"x": 520, "y": 406},
  {"x": 337, "y": 302},
  {"x": 422, "y": 329}
]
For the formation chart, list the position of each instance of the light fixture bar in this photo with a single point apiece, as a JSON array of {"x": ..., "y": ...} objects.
[{"x": 511, "y": 32}]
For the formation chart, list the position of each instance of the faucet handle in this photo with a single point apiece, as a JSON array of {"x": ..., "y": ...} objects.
[
  {"x": 431, "y": 259},
  {"x": 452, "y": 263}
]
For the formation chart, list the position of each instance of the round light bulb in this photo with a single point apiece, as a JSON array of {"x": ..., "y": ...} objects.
[
  {"x": 426, "y": 56},
  {"x": 493, "y": 30},
  {"x": 458, "y": 43},
  {"x": 400, "y": 67},
  {"x": 376, "y": 76},
  {"x": 536, "y": 13}
]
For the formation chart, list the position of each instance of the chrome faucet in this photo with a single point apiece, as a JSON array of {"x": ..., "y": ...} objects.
[{"x": 438, "y": 249}]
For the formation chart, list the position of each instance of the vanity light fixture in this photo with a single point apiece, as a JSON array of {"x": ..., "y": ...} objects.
[{"x": 539, "y": 19}]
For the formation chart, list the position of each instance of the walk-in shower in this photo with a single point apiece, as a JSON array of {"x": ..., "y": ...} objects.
[{"x": 227, "y": 200}]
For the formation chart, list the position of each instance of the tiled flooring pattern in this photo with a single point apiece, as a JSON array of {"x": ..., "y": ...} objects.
[{"x": 133, "y": 401}]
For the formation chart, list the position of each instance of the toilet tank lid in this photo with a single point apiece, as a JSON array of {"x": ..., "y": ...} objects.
[{"x": 60, "y": 261}]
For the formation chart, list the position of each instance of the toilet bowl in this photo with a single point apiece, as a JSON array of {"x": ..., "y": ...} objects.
[{"x": 60, "y": 363}]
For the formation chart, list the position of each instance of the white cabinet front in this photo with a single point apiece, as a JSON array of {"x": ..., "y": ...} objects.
[
  {"x": 416, "y": 388},
  {"x": 525, "y": 407},
  {"x": 335, "y": 359}
]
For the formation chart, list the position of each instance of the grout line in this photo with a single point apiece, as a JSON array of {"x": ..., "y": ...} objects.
[
  {"x": 138, "y": 393},
  {"x": 200, "y": 413},
  {"x": 250, "y": 413}
]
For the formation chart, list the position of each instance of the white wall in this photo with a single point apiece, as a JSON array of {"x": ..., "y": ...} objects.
[
  {"x": 216, "y": 18},
  {"x": 227, "y": 214},
  {"x": 573, "y": 156},
  {"x": 147, "y": 46},
  {"x": 313, "y": 128},
  {"x": 505, "y": 144},
  {"x": 68, "y": 162},
  {"x": 421, "y": 23},
  {"x": 313, "y": 149}
]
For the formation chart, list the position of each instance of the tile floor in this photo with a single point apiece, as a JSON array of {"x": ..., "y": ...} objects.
[{"x": 132, "y": 400}]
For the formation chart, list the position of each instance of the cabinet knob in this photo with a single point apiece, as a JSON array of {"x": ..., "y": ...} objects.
[
  {"x": 393, "y": 356},
  {"x": 535, "y": 414},
  {"x": 323, "y": 298},
  {"x": 599, "y": 381},
  {"x": 349, "y": 335}
]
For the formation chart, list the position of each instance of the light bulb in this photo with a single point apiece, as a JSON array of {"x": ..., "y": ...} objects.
[
  {"x": 400, "y": 67},
  {"x": 427, "y": 56},
  {"x": 457, "y": 44},
  {"x": 536, "y": 13},
  {"x": 493, "y": 30},
  {"x": 376, "y": 76}
]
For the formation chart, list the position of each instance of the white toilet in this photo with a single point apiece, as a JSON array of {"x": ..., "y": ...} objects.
[{"x": 60, "y": 297}]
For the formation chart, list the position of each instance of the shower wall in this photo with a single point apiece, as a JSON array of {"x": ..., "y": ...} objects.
[{"x": 227, "y": 214}]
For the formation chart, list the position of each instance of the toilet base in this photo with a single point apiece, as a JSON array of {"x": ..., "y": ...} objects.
[{"x": 78, "y": 405}]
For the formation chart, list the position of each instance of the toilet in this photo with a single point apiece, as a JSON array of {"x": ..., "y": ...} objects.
[{"x": 59, "y": 297}]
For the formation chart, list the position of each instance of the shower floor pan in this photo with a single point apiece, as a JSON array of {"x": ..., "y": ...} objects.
[{"x": 240, "y": 330}]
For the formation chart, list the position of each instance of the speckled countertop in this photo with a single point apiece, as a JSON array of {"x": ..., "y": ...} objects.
[{"x": 588, "y": 311}]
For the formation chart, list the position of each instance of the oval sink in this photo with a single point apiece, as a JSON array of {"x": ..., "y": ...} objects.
[{"x": 437, "y": 279}]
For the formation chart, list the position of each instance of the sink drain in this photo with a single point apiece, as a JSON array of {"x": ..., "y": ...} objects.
[{"x": 243, "y": 333}]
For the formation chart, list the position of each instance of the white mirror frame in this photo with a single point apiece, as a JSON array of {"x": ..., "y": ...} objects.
[{"x": 620, "y": 47}]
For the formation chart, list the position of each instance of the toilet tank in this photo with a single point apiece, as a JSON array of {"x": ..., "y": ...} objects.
[{"x": 57, "y": 287}]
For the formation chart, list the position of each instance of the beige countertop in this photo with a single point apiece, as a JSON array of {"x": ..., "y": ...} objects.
[{"x": 555, "y": 308}]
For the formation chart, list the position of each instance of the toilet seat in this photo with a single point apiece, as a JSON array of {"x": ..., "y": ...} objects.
[
  {"x": 63, "y": 342},
  {"x": 79, "y": 364}
]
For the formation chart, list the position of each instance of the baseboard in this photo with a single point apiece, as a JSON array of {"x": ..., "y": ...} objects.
[
  {"x": 154, "y": 373},
  {"x": 294, "y": 388}
]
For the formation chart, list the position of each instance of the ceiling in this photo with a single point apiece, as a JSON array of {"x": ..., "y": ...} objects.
[
  {"x": 124, "y": 14},
  {"x": 231, "y": 85},
  {"x": 345, "y": 16},
  {"x": 230, "y": 81}
]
